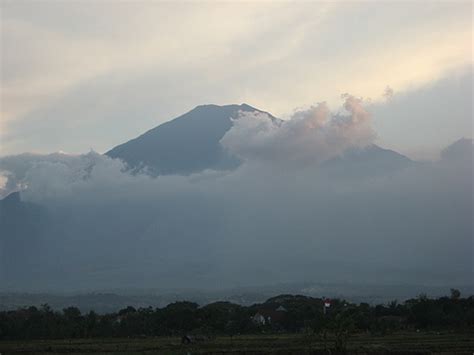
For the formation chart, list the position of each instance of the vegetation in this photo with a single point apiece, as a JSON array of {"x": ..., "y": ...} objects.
[{"x": 340, "y": 325}]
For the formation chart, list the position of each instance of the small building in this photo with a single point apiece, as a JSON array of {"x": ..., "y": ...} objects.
[
  {"x": 269, "y": 316},
  {"x": 259, "y": 319}
]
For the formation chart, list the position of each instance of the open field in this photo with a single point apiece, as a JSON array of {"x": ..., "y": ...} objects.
[{"x": 397, "y": 343}]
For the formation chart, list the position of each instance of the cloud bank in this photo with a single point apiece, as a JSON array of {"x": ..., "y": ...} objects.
[{"x": 284, "y": 215}]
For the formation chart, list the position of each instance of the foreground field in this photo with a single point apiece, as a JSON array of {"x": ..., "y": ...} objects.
[{"x": 398, "y": 343}]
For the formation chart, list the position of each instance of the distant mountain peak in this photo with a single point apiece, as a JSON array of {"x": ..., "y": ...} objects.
[
  {"x": 248, "y": 107},
  {"x": 462, "y": 148},
  {"x": 186, "y": 144},
  {"x": 371, "y": 160},
  {"x": 190, "y": 143},
  {"x": 235, "y": 108}
]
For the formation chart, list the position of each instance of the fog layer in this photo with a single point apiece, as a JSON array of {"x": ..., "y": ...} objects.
[{"x": 313, "y": 200}]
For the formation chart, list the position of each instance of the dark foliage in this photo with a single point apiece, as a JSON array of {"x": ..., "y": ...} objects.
[{"x": 284, "y": 313}]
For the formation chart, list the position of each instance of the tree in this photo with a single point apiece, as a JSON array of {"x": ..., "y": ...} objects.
[{"x": 455, "y": 294}]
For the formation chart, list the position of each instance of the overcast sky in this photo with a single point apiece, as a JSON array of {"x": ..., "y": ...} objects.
[{"x": 93, "y": 74}]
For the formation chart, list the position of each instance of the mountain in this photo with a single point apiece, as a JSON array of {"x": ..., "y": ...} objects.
[
  {"x": 94, "y": 234},
  {"x": 21, "y": 232},
  {"x": 367, "y": 161},
  {"x": 184, "y": 145},
  {"x": 460, "y": 150},
  {"x": 191, "y": 143}
]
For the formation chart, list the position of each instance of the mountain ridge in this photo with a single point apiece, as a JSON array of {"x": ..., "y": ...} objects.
[
  {"x": 186, "y": 144},
  {"x": 190, "y": 143}
]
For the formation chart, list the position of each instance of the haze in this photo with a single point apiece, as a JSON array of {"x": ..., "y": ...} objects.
[{"x": 316, "y": 142}]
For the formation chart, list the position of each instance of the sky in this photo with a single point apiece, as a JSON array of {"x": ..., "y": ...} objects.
[{"x": 84, "y": 75}]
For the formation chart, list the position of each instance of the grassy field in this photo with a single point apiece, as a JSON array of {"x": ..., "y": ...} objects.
[{"x": 398, "y": 343}]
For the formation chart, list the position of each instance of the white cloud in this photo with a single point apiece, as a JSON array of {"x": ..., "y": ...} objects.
[{"x": 308, "y": 137}]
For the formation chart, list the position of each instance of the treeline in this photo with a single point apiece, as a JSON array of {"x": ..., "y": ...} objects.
[{"x": 285, "y": 313}]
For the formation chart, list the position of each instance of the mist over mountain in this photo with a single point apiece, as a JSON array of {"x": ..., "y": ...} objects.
[{"x": 231, "y": 196}]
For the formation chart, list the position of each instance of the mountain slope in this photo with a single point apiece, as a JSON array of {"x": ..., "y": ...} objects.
[
  {"x": 368, "y": 161},
  {"x": 184, "y": 145},
  {"x": 462, "y": 149},
  {"x": 22, "y": 227}
]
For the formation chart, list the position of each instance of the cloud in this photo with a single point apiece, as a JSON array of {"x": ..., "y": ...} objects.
[
  {"x": 309, "y": 136},
  {"x": 388, "y": 93}
]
